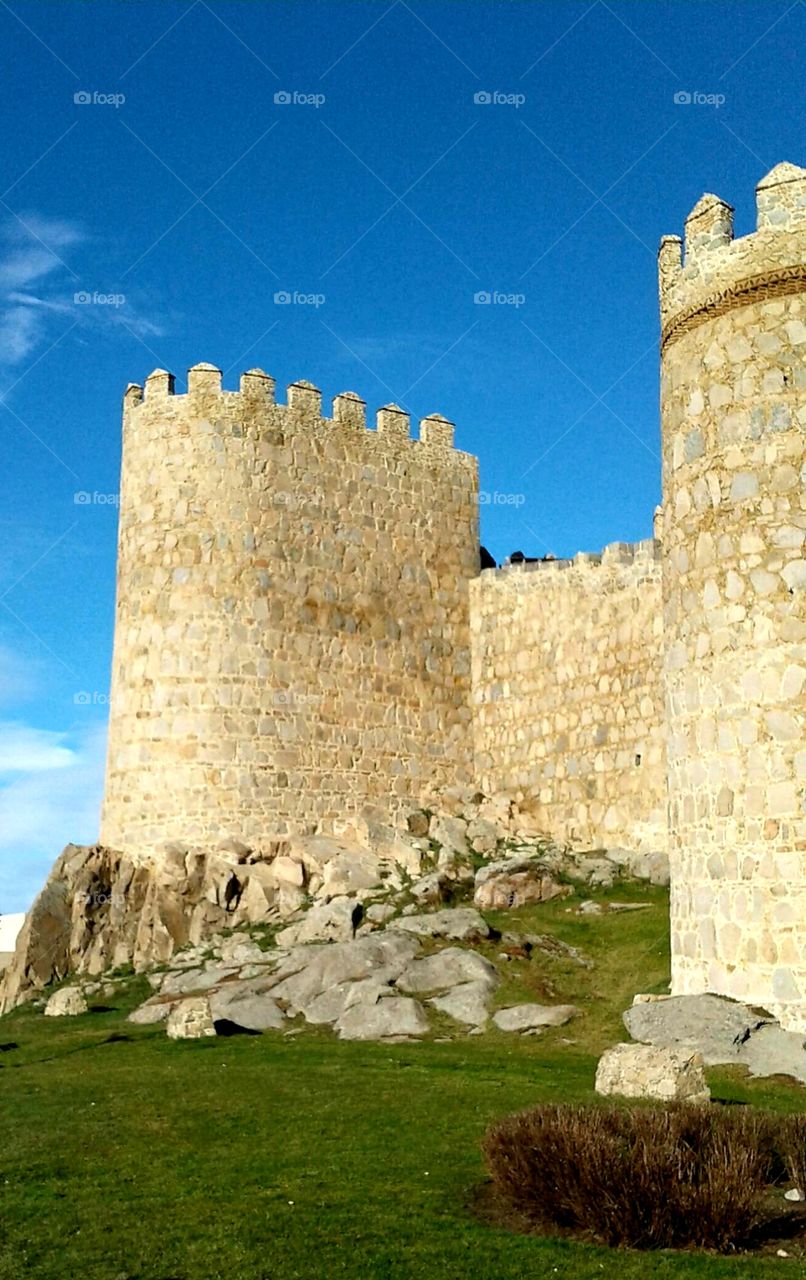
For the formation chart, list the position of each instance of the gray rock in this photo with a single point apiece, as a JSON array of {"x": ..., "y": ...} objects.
[
  {"x": 644, "y": 1071},
  {"x": 66, "y": 1003},
  {"x": 417, "y": 823},
  {"x": 379, "y": 956},
  {"x": 447, "y": 968},
  {"x": 723, "y": 1031},
  {"x": 240, "y": 1003},
  {"x": 652, "y": 866},
  {"x": 591, "y": 908},
  {"x": 331, "y": 1004},
  {"x": 240, "y": 949},
  {"x": 469, "y": 1002},
  {"x": 515, "y": 882},
  {"x": 524, "y": 1017},
  {"x": 153, "y": 1010},
  {"x": 461, "y": 924},
  {"x": 430, "y": 890},
  {"x": 598, "y": 872},
  {"x": 353, "y": 871},
  {"x": 379, "y": 912},
  {"x": 711, "y": 1024},
  {"x": 397, "y": 1016},
  {"x": 451, "y": 834},
  {"x": 483, "y": 836},
  {"x": 188, "y": 980},
  {"x": 334, "y": 921}
]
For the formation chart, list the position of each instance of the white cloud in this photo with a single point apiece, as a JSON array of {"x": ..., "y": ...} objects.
[
  {"x": 21, "y": 330},
  {"x": 34, "y": 288},
  {"x": 24, "y": 749},
  {"x": 23, "y": 267},
  {"x": 51, "y": 798}
]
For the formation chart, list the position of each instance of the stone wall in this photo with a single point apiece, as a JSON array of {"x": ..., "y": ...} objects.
[
  {"x": 734, "y": 465},
  {"x": 567, "y": 693},
  {"x": 292, "y": 636}
]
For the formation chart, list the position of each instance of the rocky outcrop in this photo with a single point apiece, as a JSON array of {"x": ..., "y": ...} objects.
[
  {"x": 722, "y": 1031},
  {"x": 101, "y": 910}
]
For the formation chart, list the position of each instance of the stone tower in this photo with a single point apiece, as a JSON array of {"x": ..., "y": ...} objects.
[
  {"x": 292, "y": 633},
  {"x": 733, "y": 393}
]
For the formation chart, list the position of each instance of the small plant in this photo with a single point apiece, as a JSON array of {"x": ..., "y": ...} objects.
[{"x": 649, "y": 1178}]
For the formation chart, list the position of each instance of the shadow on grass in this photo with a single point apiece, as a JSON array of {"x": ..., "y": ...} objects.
[{"x": 115, "y": 1037}]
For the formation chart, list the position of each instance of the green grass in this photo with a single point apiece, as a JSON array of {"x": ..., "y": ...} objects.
[{"x": 303, "y": 1157}]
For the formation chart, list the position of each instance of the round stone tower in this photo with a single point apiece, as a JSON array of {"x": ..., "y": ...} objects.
[
  {"x": 292, "y": 631},
  {"x": 733, "y": 391}
]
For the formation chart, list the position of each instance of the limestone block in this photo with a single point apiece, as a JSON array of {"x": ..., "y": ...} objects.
[
  {"x": 642, "y": 1071},
  {"x": 66, "y": 1002},
  {"x": 191, "y": 1019}
]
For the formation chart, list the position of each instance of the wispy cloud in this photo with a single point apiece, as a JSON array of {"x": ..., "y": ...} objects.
[
  {"x": 38, "y": 286},
  {"x": 24, "y": 749}
]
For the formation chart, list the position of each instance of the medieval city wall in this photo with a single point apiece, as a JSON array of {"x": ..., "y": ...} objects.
[
  {"x": 734, "y": 467},
  {"x": 567, "y": 693},
  {"x": 292, "y": 633}
]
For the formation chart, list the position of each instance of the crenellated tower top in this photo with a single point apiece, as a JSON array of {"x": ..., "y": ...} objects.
[
  {"x": 303, "y": 405},
  {"x": 708, "y": 272}
]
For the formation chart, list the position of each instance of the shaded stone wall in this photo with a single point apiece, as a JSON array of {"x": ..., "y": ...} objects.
[
  {"x": 734, "y": 465},
  {"x": 292, "y": 635},
  {"x": 567, "y": 694}
]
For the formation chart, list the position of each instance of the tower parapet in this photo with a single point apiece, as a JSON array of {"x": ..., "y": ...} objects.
[
  {"x": 717, "y": 272},
  {"x": 292, "y": 631},
  {"x": 733, "y": 390}
]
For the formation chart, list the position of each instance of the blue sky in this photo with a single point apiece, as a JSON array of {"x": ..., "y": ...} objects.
[{"x": 181, "y": 197}]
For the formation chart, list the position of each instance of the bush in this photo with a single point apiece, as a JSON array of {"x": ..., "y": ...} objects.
[{"x": 651, "y": 1178}]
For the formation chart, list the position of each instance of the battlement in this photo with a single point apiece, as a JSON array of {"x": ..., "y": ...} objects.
[
  {"x": 708, "y": 273},
  {"x": 303, "y": 405},
  {"x": 642, "y": 555}
]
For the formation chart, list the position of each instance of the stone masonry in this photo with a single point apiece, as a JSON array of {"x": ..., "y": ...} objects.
[
  {"x": 568, "y": 695},
  {"x": 302, "y": 627},
  {"x": 292, "y": 631},
  {"x": 734, "y": 415}
]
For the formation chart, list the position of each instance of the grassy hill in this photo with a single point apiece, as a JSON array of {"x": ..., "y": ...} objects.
[{"x": 126, "y": 1156}]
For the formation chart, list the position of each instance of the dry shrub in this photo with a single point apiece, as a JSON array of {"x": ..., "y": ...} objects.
[{"x": 650, "y": 1178}]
